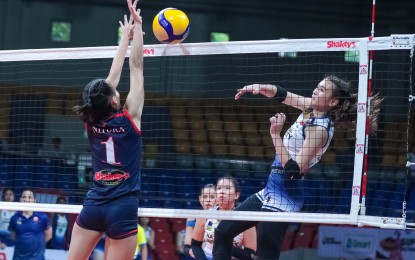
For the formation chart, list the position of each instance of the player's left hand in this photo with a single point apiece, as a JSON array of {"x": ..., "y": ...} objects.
[
  {"x": 277, "y": 122},
  {"x": 135, "y": 13}
]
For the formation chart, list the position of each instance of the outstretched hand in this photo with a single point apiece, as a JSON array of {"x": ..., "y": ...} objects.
[
  {"x": 254, "y": 89},
  {"x": 135, "y": 13},
  {"x": 277, "y": 122},
  {"x": 127, "y": 27}
]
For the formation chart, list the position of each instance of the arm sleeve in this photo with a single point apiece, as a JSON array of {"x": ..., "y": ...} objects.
[{"x": 197, "y": 250}]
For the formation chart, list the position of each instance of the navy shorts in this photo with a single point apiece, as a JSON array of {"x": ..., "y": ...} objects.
[{"x": 118, "y": 218}]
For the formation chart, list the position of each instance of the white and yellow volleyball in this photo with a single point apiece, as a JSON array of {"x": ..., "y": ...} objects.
[{"x": 171, "y": 26}]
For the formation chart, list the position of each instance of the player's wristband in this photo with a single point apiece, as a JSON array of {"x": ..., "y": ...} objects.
[
  {"x": 281, "y": 94},
  {"x": 186, "y": 250}
]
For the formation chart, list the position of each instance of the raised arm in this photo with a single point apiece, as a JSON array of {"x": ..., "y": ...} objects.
[
  {"x": 315, "y": 138},
  {"x": 135, "y": 99},
  {"x": 118, "y": 62},
  {"x": 271, "y": 91}
]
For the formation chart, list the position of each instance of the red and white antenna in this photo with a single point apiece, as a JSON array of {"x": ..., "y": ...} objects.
[{"x": 369, "y": 94}]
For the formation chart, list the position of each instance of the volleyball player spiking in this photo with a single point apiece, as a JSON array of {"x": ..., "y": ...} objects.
[{"x": 330, "y": 106}]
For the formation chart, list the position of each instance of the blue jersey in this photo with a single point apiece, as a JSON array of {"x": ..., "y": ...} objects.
[
  {"x": 280, "y": 193},
  {"x": 30, "y": 235},
  {"x": 115, "y": 145}
]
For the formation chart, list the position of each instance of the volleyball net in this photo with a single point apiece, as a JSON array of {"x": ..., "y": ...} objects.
[{"x": 195, "y": 132}]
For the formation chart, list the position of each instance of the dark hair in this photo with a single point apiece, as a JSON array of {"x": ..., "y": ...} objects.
[
  {"x": 96, "y": 97},
  {"x": 233, "y": 180},
  {"x": 3, "y": 195},
  {"x": 344, "y": 115},
  {"x": 207, "y": 186},
  {"x": 61, "y": 198}
]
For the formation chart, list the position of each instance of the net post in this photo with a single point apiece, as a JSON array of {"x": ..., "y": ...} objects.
[{"x": 360, "y": 131}]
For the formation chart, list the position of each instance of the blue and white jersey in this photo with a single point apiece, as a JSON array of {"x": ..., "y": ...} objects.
[
  {"x": 281, "y": 193},
  {"x": 295, "y": 135},
  {"x": 260, "y": 195},
  {"x": 209, "y": 237},
  {"x": 116, "y": 154}
]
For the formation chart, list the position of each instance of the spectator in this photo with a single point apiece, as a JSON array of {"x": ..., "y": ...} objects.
[
  {"x": 181, "y": 246},
  {"x": 30, "y": 230},
  {"x": 55, "y": 152},
  {"x": 244, "y": 244},
  {"x": 60, "y": 232},
  {"x": 5, "y": 216},
  {"x": 149, "y": 232},
  {"x": 141, "y": 250},
  {"x": 207, "y": 199}
]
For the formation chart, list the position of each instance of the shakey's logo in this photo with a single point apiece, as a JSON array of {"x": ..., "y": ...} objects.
[
  {"x": 149, "y": 51},
  {"x": 111, "y": 176},
  {"x": 341, "y": 44}
]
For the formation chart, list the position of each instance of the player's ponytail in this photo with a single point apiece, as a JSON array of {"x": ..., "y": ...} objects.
[
  {"x": 96, "y": 101},
  {"x": 344, "y": 115}
]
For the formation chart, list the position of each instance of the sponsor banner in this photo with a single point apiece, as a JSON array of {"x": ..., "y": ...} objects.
[
  {"x": 366, "y": 243},
  {"x": 50, "y": 254},
  {"x": 350, "y": 243}
]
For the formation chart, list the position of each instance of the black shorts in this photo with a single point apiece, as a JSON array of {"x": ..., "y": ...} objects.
[{"x": 118, "y": 218}]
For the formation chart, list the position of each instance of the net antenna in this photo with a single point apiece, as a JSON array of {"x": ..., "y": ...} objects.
[
  {"x": 190, "y": 90},
  {"x": 369, "y": 94}
]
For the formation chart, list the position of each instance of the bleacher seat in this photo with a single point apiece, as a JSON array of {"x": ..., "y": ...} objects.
[
  {"x": 163, "y": 238},
  {"x": 165, "y": 185},
  {"x": 344, "y": 200},
  {"x": 310, "y": 196},
  {"x": 6, "y": 172},
  {"x": 45, "y": 175},
  {"x": 204, "y": 177},
  {"x": 172, "y": 204},
  {"x": 159, "y": 224},
  {"x": 166, "y": 251},
  {"x": 287, "y": 242},
  {"x": 303, "y": 240},
  {"x": 149, "y": 203},
  {"x": 177, "y": 224}
]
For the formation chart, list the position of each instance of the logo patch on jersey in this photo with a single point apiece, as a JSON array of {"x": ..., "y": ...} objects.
[{"x": 111, "y": 176}]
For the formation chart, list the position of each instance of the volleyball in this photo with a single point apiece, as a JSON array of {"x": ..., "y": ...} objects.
[{"x": 171, "y": 26}]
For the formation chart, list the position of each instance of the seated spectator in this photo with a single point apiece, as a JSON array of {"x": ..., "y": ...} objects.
[
  {"x": 60, "y": 230},
  {"x": 5, "y": 216},
  {"x": 55, "y": 152},
  {"x": 30, "y": 230},
  {"x": 150, "y": 234}
]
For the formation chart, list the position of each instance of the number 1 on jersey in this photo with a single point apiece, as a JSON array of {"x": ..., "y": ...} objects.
[{"x": 110, "y": 151}]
